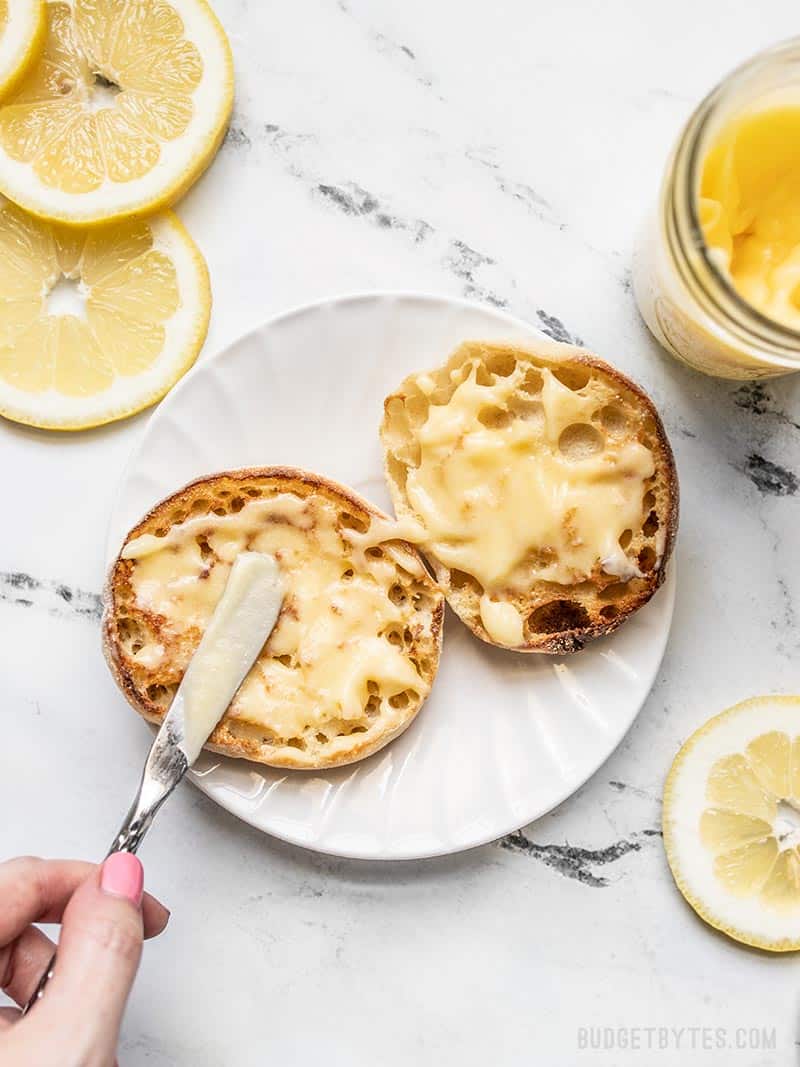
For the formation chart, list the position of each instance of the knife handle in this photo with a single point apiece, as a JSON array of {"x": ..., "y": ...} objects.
[{"x": 165, "y": 767}]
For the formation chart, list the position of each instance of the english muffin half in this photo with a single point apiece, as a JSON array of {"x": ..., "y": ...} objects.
[
  {"x": 543, "y": 489},
  {"x": 356, "y": 646}
]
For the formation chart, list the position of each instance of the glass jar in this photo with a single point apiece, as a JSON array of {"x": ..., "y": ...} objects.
[{"x": 687, "y": 301}]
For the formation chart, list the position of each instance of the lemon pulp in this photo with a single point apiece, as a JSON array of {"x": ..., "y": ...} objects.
[
  {"x": 732, "y": 822},
  {"x": 125, "y": 107},
  {"x": 22, "y": 26},
  {"x": 749, "y": 825},
  {"x": 134, "y": 321}
]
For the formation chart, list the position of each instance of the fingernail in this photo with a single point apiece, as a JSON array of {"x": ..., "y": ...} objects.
[{"x": 123, "y": 876}]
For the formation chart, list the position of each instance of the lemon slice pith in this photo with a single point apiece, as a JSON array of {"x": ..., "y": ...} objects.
[
  {"x": 125, "y": 108},
  {"x": 732, "y": 822},
  {"x": 95, "y": 324},
  {"x": 22, "y": 27}
]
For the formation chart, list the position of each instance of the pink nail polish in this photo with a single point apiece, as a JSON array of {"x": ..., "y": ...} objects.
[{"x": 123, "y": 876}]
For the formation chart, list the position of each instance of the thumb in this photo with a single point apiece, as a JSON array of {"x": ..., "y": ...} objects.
[{"x": 98, "y": 956}]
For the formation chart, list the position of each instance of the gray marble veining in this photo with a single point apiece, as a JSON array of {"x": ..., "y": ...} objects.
[{"x": 505, "y": 154}]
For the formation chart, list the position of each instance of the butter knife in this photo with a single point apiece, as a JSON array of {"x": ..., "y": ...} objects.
[{"x": 242, "y": 622}]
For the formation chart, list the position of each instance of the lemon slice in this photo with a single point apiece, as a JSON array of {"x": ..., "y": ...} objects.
[
  {"x": 95, "y": 324},
  {"x": 732, "y": 822},
  {"x": 22, "y": 26},
  {"x": 125, "y": 108}
]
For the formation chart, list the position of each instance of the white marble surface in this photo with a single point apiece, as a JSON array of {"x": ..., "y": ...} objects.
[{"x": 505, "y": 152}]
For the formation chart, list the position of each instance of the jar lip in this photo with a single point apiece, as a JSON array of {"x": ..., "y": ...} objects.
[{"x": 721, "y": 296}]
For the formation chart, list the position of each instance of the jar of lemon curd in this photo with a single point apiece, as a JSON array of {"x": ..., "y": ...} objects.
[{"x": 716, "y": 270}]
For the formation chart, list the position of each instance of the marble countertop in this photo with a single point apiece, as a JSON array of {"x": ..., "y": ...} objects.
[{"x": 502, "y": 152}]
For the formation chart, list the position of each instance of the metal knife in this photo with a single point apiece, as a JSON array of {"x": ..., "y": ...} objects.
[{"x": 242, "y": 622}]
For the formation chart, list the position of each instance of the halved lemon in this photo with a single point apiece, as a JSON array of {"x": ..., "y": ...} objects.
[
  {"x": 22, "y": 26},
  {"x": 732, "y": 822},
  {"x": 124, "y": 110},
  {"x": 95, "y": 324}
]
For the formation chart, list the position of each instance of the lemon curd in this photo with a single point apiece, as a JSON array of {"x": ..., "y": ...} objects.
[
  {"x": 749, "y": 208},
  {"x": 716, "y": 269}
]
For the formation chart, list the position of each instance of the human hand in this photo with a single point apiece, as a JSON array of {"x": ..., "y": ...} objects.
[{"x": 104, "y": 915}]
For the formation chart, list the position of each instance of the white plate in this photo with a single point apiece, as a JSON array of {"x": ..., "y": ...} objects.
[{"x": 504, "y": 737}]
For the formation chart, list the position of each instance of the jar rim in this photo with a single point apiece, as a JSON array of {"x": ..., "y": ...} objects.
[{"x": 708, "y": 283}]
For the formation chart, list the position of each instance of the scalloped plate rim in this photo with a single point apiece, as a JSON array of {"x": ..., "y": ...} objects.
[{"x": 213, "y": 776}]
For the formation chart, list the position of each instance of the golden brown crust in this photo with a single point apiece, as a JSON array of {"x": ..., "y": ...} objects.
[
  {"x": 150, "y": 693},
  {"x": 561, "y": 619}
]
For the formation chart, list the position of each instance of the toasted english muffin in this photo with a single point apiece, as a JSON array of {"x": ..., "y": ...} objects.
[
  {"x": 356, "y": 646},
  {"x": 542, "y": 486}
]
